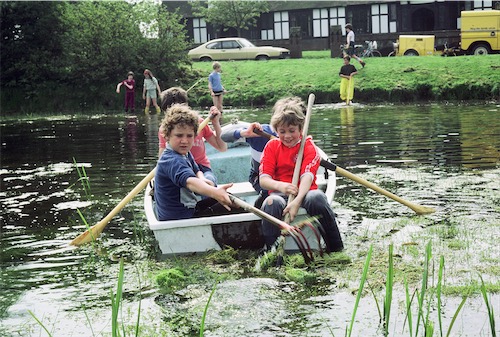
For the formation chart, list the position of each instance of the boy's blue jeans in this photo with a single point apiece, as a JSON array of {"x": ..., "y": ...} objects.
[{"x": 316, "y": 204}]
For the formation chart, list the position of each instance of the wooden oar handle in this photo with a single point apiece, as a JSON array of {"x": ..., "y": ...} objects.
[
  {"x": 205, "y": 122},
  {"x": 261, "y": 214},
  {"x": 417, "y": 208}
]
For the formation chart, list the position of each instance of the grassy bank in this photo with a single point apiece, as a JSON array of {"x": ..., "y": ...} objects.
[{"x": 386, "y": 79}]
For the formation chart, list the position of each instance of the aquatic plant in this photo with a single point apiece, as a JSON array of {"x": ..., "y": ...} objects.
[
  {"x": 205, "y": 311},
  {"x": 491, "y": 314},
  {"x": 171, "y": 278},
  {"x": 300, "y": 275},
  {"x": 116, "y": 301},
  {"x": 83, "y": 178},
  {"x": 40, "y": 323},
  {"x": 360, "y": 289}
]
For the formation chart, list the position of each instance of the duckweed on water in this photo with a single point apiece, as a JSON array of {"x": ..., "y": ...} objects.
[{"x": 171, "y": 278}]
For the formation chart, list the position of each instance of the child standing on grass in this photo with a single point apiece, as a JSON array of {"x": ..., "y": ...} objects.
[
  {"x": 347, "y": 71},
  {"x": 349, "y": 50},
  {"x": 129, "y": 83},
  {"x": 276, "y": 172},
  {"x": 215, "y": 86},
  {"x": 149, "y": 90},
  {"x": 179, "y": 183}
]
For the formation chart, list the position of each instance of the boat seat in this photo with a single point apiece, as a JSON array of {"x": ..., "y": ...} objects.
[{"x": 242, "y": 189}]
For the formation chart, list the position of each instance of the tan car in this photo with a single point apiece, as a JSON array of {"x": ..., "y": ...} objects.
[{"x": 235, "y": 48}]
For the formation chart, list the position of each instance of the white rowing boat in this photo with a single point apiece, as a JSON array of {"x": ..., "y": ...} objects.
[{"x": 239, "y": 230}]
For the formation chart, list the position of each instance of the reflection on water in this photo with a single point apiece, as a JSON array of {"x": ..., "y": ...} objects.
[{"x": 441, "y": 156}]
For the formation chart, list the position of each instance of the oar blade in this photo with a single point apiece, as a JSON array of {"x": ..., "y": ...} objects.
[
  {"x": 89, "y": 235},
  {"x": 421, "y": 210}
]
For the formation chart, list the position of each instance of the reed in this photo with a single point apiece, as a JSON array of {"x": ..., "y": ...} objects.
[
  {"x": 455, "y": 316},
  {"x": 388, "y": 290},
  {"x": 202, "y": 324},
  {"x": 116, "y": 301},
  {"x": 423, "y": 289},
  {"x": 360, "y": 290},
  {"x": 40, "y": 323},
  {"x": 409, "y": 301},
  {"x": 438, "y": 294},
  {"x": 491, "y": 314},
  {"x": 83, "y": 178}
]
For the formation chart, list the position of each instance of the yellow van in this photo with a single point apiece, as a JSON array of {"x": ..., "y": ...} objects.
[
  {"x": 480, "y": 32},
  {"x": 415, "y": 45}
]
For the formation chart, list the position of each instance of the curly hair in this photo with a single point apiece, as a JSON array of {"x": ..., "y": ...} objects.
[{"x": 179, "y": 114}]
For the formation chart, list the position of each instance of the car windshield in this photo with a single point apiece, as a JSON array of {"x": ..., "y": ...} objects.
[{"x": 246, "y": 43}]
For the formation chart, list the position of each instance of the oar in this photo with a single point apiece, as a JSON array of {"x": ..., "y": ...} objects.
[
  {"x": 194, "y": 85},
  {"x": 331, "y": 166},
  {"x": 93, "y": 232},
  {"x": 205, "y": 122},
  {"x": 417, "y": 208},
  {"x": 294, "y": 232}
]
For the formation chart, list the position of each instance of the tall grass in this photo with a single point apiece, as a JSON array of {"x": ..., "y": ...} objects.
[
  {"x": 360, "y": 289},
  {"x": 83, "y": 178},
  {"x": 116, "y": 301},
  {"x": 388, "y": 290},
  {"x": 491, "y": 314},
  {"x": 202, "y": 324}
]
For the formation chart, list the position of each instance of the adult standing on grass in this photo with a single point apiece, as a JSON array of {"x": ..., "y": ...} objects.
[
  {"x": 149, "y": 91},
  {"x": 215, "y": 85},
  {"x": 349, "y": 48},
  {"x": 347, "y": 71}
]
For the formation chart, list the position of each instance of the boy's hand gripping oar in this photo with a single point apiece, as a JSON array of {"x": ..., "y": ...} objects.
[
  {"x": 331, "y": 166},
  {"x": 93, "y": 232}
]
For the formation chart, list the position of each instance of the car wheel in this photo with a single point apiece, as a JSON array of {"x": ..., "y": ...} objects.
[
  {"x": 262, "y": 58},
  {"x": 411, "y": 52},
  {"x": 480, "y": 49},
  {"x": 205, "y": 59}
]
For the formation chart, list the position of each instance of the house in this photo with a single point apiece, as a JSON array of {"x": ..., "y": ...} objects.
[{"x": 319, "y": 25}]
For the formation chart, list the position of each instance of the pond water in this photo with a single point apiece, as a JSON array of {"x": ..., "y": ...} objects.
[{"x": 442, "y": 156}]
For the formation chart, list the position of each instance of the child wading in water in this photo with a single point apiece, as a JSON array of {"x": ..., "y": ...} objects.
[
  {"x": 129, "y": 83},
  {"x": 347, "y": 71},
  {"x": 149, "y": 91}
]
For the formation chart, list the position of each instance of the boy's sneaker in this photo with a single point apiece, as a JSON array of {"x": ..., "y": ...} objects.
[{"x": 363, "y": 64}]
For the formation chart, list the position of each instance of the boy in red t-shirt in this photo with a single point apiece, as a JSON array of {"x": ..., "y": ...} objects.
[{"x": 276, "y": 171}]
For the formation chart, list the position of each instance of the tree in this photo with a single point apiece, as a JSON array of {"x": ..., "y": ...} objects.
[
  {"x": 31, "y": 44},
  {"x": 237, "y": 14}
]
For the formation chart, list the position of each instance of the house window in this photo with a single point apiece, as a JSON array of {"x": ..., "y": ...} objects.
[
  {"x": 281, "y": 25},
  {"x": 200, "y": 30},
  {"x": 482, "y": 5},
  {"x": 324, "y": 18},
  {"x": 266, "y": 27},
  {"x": 320, "y": 22},
  {"x": 382, "y": 21},
  {"x": 337, "y": 17}
]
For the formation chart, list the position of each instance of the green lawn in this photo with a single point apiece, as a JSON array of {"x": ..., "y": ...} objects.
[{"x": 393, "y": 79}]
